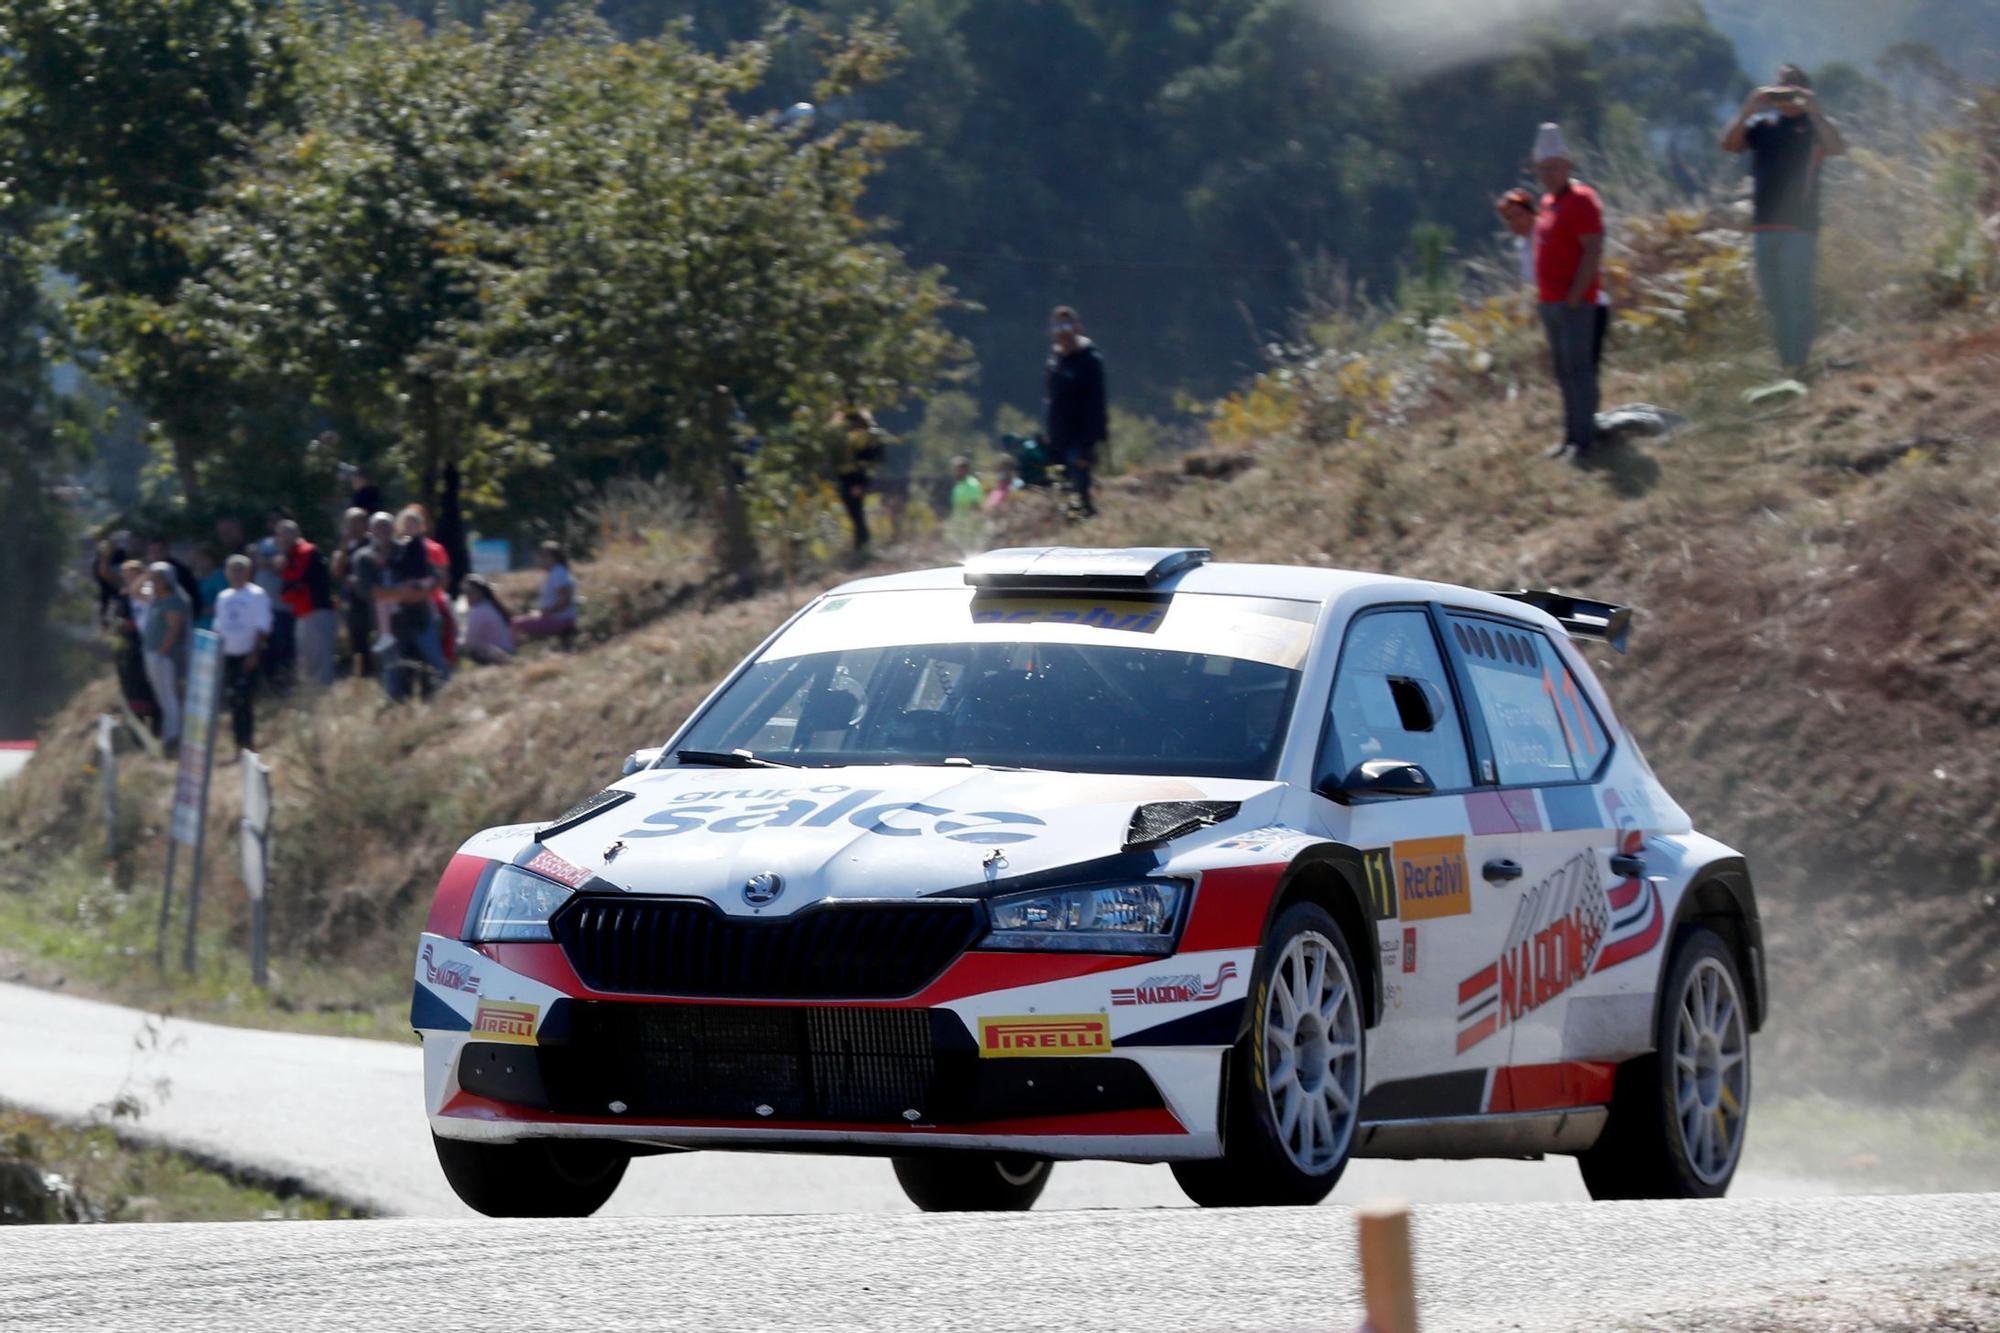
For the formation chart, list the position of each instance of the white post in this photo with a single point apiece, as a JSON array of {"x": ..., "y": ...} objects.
[
  {"x": 256, "y": 831},
  {"x": 107, "y": 777}
]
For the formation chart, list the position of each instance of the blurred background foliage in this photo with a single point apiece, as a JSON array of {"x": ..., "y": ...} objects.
[{"x": 543, "y": 247}]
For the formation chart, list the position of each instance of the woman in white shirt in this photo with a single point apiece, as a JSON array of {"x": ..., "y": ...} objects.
[{"x": 555, "y": 606}]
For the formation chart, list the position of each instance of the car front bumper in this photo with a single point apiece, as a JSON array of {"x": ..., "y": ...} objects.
[{"x": 1051, "y": 1055}]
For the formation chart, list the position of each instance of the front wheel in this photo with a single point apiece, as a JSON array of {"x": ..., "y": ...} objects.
[
  {"x": 1678, "y": 1115},
  {"x": 533, "y": 1178},
  {"x": 973, "y": 1182},
  {"x": 1295, "y": 1081}
]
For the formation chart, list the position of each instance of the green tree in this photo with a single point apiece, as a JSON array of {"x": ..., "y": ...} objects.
[
  {"x": 121, "y": 115},
  {"x": 31, "y": 458},
  {"x": 535, "y": 253},
  {"x": 346, "y": 259},
  {"x": 707, "y": 286}
]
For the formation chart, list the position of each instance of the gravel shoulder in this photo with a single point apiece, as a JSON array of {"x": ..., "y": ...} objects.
[{"x": 1728, "y": 1264}]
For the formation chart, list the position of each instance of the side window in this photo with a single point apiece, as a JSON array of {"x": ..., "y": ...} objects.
[
  {"x": 1542, "y": 727},
  {"x": 1393, "y": 700}
]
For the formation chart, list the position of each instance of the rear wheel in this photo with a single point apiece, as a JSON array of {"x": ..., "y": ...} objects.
[
  {"x": 1295, "y": 1081},
  {"x": 1678, "y": 1115},
  {"x": 533, "y": 1178},
  {"x": 973, "y": 1182}
]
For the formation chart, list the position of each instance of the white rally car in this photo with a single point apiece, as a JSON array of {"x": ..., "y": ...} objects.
[{"x": 1110, "y": 854}]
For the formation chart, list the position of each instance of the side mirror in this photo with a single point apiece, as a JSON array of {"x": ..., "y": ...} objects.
[
  {"x": 1378, "y": 778},
  {"x": 639, "y": 759}
]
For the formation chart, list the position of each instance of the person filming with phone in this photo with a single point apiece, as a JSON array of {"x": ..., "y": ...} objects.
[{"x": 1788, "y": 139}]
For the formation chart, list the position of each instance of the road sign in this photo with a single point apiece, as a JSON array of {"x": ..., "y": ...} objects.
[{"x": 197, "y": 739}]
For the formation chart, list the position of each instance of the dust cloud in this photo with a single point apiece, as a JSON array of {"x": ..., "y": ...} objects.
[{"x": 1417, "y": 39}]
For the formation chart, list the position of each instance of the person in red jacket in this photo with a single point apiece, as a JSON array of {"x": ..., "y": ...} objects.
[
  {"x": 1569, "y": 249},
  {"x": 307, "y": 591}
]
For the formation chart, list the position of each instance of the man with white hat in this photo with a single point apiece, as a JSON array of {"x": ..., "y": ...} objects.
[{"x": 1569, "y": 250}]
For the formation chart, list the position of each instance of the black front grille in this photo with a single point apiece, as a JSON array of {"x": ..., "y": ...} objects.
[
  {"x": 788, "y": 1064},
  {"x": 704, "y": 1062},
  {"x": 690, "y": 947}
]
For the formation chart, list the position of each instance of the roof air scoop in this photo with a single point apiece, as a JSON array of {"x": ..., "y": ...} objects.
[{"x": 1081, "y": 569}]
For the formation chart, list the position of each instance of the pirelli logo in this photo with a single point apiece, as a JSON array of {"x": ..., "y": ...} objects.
[
  {"x": 508, "y": 1021},
  {"x": 1049, "y": 1034}
]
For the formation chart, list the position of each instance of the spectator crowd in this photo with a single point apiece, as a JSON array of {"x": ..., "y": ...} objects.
[
  {"x": 1560, "y": 233},
  {"x": 377, "y": 599}
]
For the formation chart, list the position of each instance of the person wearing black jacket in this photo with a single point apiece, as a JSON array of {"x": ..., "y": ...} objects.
[
  {"x": 862, "y": 448},
  {"x": 1073, "y": 406}
]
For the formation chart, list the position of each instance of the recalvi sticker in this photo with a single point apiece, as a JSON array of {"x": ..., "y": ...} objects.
[{"x": 1431, "y": 878}]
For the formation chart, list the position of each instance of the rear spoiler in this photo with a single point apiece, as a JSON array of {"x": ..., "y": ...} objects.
[{"x": 1583, "y": 619}]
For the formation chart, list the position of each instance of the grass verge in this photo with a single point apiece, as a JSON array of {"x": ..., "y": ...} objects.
[
  {"x": 71, "y": 926},
  {"x": 103, "y": 1178}
]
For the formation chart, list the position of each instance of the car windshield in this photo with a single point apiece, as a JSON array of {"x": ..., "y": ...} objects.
[{"x": 1193, "y": 684}]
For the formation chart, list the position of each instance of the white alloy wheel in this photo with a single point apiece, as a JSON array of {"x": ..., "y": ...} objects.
[
  {"x": 1312, "y": 1052},
  {"x": 1711, "y": 1071}
]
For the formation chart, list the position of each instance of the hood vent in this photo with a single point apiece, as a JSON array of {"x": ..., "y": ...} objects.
[
  {"x": 585, "y": 809},
  {"x": 1158, "y": 823}
]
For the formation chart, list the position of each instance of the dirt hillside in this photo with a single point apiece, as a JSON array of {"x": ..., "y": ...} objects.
[{"x": 1815, "y": 669}]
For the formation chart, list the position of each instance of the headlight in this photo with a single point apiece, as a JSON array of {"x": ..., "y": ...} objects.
[
  {"x": 517, "y": 905},
  {"x": 1143, "y": 917}
]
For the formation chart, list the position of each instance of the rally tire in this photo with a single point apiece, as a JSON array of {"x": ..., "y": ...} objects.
[
  {"x": 533, "y": 1178},
  {"x": 1678, "y": 1116},
  {"x": 973, "y": 1182},
  {"x": 1289, "y": 1068}
]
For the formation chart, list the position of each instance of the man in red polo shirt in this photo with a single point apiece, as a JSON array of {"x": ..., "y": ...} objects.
[
  {"x": 308, "y": 593},
  {"x": 1569, "y": 248}
]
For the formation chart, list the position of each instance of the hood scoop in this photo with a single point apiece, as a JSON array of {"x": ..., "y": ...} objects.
[
  {"x": 587, "y": 808},
  {"x": 1158, "y": 823}
]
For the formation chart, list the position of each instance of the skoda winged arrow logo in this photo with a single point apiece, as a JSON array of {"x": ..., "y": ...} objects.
[{"x": 761, "y": 889}]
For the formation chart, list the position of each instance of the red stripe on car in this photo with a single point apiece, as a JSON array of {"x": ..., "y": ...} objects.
[
  {"x": 1478, "y": 1032},
  {"x": 1230, "y": 908},
  {"x": 454, "y": 896},
  {"x": 1551, "y": 1087}
]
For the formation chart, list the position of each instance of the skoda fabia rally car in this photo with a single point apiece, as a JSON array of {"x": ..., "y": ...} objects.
[{"x": 1110, "y": 854}]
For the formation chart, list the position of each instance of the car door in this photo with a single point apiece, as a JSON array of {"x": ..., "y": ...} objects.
[
  {"x": 1435, "y": 913},
  {"x": 1548, "y": 748}
]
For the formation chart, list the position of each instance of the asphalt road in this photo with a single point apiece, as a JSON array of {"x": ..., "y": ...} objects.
[
  {"x": 345, "y": 1118},
  {"x": 1729, "y": 1264}
]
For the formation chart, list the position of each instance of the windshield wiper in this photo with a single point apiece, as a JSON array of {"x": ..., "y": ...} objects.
[{"x": 727, "y": 759}]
